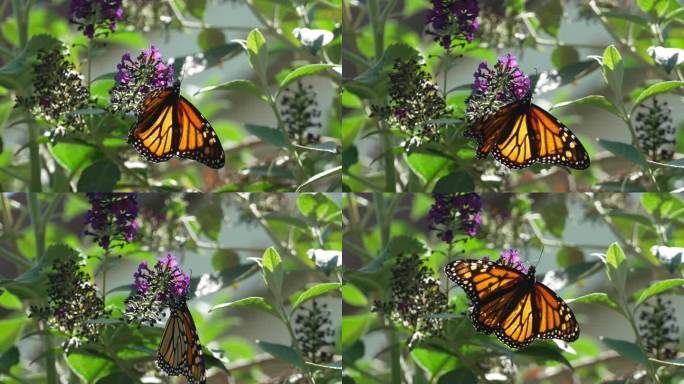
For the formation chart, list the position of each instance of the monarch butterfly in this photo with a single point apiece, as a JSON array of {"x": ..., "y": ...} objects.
[
  {"x": 513, "y": 305},
  {"x": 169, "y": 125},
  {"x": 180, "y": 352},
  {"x": 522, "y": 133}
]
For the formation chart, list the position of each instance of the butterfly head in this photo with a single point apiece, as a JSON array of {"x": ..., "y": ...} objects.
[{"x": 531, "y": 272}]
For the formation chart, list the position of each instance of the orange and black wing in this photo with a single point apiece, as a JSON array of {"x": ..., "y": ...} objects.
[
  {"x": 481, "y": 279},
  {"x": 196, "y": 137},
  {"x": 153, "y": 135},
  {"x": 554, "y": 142},
  {"x": 180, "y": 352},
  {"x": 555, "y": 319},
  {"x": 488, "y": 131},
  {"x": 521, "y": 134}
]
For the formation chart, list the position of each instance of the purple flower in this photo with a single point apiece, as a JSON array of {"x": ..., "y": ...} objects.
[
  {"x": 112, "y": 218},
  {"x": 453, "y": 20},
  {"x": 452, "y": 213},
  {"x": 165, "y": 281},
  {"x": 91, "y": 15},
  {"x": 511, "y": 258},
  {"x": 506, "y": 80},
  {"x": 135, "y": 78}
]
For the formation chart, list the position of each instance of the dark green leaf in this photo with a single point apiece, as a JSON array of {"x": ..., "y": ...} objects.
[
  {"x": 459, "y": 181},
  {"x": 545, "y": 352},
  {"x": 99, "y": 177},
  {"x": 568, "y": 256},
  {"x": 269, "y": 135},
  {"x": 115, "y": 378},
  {"x": 9, "y": 359},
  {"x": 196, "y": 8},
  {"x": 282, "y": 352},
  {"x": 460, "y": 375},
  {"x": 550, "y": 13},
  {"x": 563, "y": 56},
  {"x": 627, "y": 349},
  {"x": 224, "y": 258},
  {"x": 210, "y": 38},
  {"x": 626, "y": 151}
]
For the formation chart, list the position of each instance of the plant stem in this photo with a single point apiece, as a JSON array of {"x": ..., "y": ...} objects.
[
  {"x": 22, "y": 22},
  {"x": 288, "y": 324},
  {"x": 90, "y": 66},
  {"x": 50, "y": 361},
  {"x": 395, "y": 355},
  {"x": 34, "y": 154},
  {"x": 38, "y": 228},
  {"x": 378, "y": 27}
]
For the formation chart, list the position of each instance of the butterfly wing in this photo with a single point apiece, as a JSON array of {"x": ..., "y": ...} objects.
[
  {"x": 522, "y": 133},
  {"x": 556, "y": 144},
  {"x": 555, "y": 318},
  {"x": 197, "y": 139},
  {"x": 180, "y": 352},
  {"x": 481, "y": 279},
  {"x": 487, "y": 131},
  {"x": 152, "y": 135}
]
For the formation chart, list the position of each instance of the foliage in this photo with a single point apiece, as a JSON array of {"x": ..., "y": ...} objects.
[
  {"x": 575, "y": 241},
  {"x": 57, "y": 68},
  {"x": 91, "y": 306},
  {"x": 641, "y": 61}
]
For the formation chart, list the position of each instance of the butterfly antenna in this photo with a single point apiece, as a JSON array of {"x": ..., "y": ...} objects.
[{"x": 540, "y": 255}]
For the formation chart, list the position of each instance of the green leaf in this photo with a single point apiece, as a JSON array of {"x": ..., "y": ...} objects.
[
  {"x": 269, "y": 135},
  {"x": 210, "y": 38},
  {"x": 624, "y": 150},
  {"x": 461, "y": 375},
  {"x": 613, "y": 70},
  {"x": 224, "y": 258},
  {"x": 273, "y": 271},
  {"x": 9, "y": 359},
  {"x": 249, "y": 302},
  {"x": 656, "y": 89},
  {"x": 116, "y": 378},
  {"x": 596, "y": 101},
  {"x": 353, "y": 327},
  {"x": 616, "y": 267},
  {"x": 257, "y": 52},
  {"x": 11, "y": 329},
  {"x": 459, "y": 181},
  {"x": 353, "y": 296},
  {"x": 545, "y": 352},
  {"x": 320, "y": 176},
  {"x": 646, "y": 5},
  {"x": 315, "y": 291},
  {"x": 597, "y": 298},
  {"x": 426, "y": 166},
  {"x": 72, "y": 156},
  {"x": 568, "y": 256},
  {"x": 282, "y": 352},
  {"x": 379, "y": 71},
  {"x": 627, "y": 349},
  {"x": 196, "y": 8},
  {"x": 99, "y": 177},
  {"x": 657, "y": 288},
  {"x": 236, "y": 85},
  {"x": 563, "y": 56},
  {"x": 550, "y": 13},
  {"x": 10, "y": 301},
  {"x": 89, "y": 367},
  {"x": 434, "y": 362},
  {"x": 305, "y": 70}
]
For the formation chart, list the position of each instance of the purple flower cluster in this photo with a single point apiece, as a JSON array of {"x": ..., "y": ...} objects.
[
  {"x": 135, "y": 78},
  {"x": 91, "y": 15},
  {"x": 511, "y": 257},
  {"x": 516, "y": 83},
  {"x": 112, "y": 218},
  {"x": 166, "y": 280},
  {"x": 455, "y": 212},
  {"x": 453, "y": 20}
]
